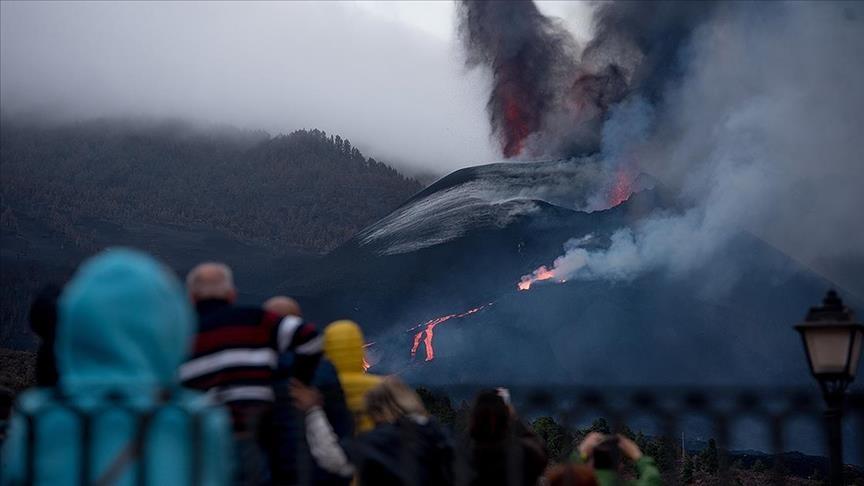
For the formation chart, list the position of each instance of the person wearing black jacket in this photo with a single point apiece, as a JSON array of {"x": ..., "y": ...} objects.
[
  {"x": 290, "y": 460},
  {"x": 503, "y": 450},
  {"x": 406, "y": 447}
]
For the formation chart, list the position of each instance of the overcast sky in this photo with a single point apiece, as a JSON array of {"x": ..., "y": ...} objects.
[{"x": 387, "y": 75}]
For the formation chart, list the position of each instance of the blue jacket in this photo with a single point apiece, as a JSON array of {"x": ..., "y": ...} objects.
[{"x": 124, "y": 327}]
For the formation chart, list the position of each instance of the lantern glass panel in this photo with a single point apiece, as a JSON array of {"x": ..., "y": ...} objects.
[{"x": 829, "y": 349}]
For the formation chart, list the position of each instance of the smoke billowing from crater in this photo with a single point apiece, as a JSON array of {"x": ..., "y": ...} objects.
[
  {"x": 549, "y": 97},
  {"x": 751, "y": 112},
  {"x": 530, "y": 56}
]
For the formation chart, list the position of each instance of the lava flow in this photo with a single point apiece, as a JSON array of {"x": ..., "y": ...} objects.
[
  {"x": 541, "y": 273},
  {"x": 428, "y": 331},
  {"x": 622, "y": 188},
  {"x": 366, "y": 364}
]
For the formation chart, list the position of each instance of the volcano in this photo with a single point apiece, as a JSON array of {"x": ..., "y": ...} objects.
[{"x": 442, "y": 258}]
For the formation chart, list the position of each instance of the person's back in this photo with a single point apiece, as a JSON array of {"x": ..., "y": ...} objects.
[
  {"x": 405, "y": 447},
  {"x": 503, "y": 450},
  {"x": 413, "y": 450},
  {"x": 290, "y": 460},
  {"x": 571, "y": 475},
  {"x": 604, "y": 454},
  {"x": 124, "y": 328},
  {"x": 343, "y": 346},
  {"x": 237, "y": 348},
  {"x": 233, "y": 359}
]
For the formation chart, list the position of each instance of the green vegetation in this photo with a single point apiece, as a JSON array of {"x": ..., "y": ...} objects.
[
  {"x": 305, "y": 191},
  {"x": 700, "y": 467}
]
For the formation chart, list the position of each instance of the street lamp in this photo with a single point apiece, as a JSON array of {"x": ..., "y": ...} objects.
[{"x": 832, "y": 340}]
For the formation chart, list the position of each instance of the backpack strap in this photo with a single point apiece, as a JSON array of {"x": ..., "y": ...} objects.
[{"x": 129, "y": 454}]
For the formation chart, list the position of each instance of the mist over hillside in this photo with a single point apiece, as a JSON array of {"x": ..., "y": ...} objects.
[
  {"x": 184, "y": 192},
  {"x": 306, "y": 190}
]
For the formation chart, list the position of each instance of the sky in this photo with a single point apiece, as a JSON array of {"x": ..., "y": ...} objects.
[{"x": 389, "y": 75}]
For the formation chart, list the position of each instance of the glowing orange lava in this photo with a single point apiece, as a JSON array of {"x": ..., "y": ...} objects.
[
  {"x": 517, "y": 129},
  {"x": 622, "y": 188},
  {"x": 542, "y": 273},
  {"x": 366, "y": 364},
  {"x": 427, "y": 332}
]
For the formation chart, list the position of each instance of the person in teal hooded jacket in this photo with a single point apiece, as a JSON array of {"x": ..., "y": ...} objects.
[{"x": 124, "y": 328}]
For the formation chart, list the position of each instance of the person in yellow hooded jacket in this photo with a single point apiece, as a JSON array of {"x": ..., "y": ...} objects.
[{"x": 343, "y": 346}]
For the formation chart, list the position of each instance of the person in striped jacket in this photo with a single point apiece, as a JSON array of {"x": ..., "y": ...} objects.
[{"x": 234, "y": 359}]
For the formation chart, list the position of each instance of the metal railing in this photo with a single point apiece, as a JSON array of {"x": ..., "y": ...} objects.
[
  {"x": 659, "y": 415},
  {"x": 83, "y": 413}
]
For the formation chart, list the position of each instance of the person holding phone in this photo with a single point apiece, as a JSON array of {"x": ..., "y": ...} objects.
[{"x": 604, "y": 453}]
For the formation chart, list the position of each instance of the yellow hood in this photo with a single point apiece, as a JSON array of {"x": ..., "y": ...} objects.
[{"x": 343, "y": 346}]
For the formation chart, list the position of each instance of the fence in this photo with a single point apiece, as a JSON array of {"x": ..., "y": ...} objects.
[{"x": 672, "y": 421}]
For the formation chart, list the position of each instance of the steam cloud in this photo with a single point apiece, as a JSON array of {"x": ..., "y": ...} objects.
[{"x": 750, "y": 111}]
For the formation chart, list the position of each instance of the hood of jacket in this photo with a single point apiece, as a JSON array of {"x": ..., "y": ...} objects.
[
  {"x": 123, "y": 319},
  {"x": 343, "y": 346}
]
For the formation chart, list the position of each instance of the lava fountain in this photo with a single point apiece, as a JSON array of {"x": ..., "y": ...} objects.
[
  {"x": 622, "y": 187},
  {"x": 542, "y": 273}
]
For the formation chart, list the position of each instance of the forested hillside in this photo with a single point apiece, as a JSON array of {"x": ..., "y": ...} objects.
[
  {"x": 185, "y": 193},
  {"x": 306, "y": 190}
]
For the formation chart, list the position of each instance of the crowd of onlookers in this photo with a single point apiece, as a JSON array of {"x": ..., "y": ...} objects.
[{"x": 140, "y": 381}]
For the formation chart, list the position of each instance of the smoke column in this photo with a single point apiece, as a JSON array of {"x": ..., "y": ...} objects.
[
  {"x": 529, "y": 56},
  {"x": 548, "y": 98},
  {"x": 750, "y": 111}
]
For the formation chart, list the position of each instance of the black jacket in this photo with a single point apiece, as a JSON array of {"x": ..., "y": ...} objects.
[
  {"x": 291, "y": 460},
  {"x": 521, "y": 454},
  {"x": 409, "y": 452}
]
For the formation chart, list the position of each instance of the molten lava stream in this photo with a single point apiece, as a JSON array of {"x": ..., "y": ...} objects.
[
  {"x": 427, "y": 333},
  {"x": 366, "y": 364},
  {"x": 622, "y": 189}
]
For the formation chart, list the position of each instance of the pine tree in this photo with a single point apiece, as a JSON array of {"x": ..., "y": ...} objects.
[
  {"x": 687, "y": 470},
  {"x": 759, "y": 466},
  {"x": 710, "y": 458},
  {"x": 600, "y": 425}
]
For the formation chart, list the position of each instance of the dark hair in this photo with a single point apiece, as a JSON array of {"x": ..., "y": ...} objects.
[
  {"x": 571, "y": 475},
  {"x": 43, "y": 311},
  {"x": 607, "y": 455},
  {"x": 43, "y": 321},
  {"x": 7, "y": 397},
  {"x": 490, "y": 417}
]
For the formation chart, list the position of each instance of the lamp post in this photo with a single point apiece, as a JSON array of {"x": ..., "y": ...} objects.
[{"x": 832, "y": 340}]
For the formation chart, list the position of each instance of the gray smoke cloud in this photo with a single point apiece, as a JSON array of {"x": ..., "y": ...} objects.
[
  {"x": 548, "y": 97},
  {"x": 530, "y": 57},
  {"x": 758, "y": 127}
]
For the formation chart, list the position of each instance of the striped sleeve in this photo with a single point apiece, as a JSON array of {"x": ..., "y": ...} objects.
[{"x": 294, "y": 334}]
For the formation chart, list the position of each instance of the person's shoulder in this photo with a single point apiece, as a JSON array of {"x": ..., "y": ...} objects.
[
  {"x": 325, "y": 374},
  {"x": 382, "y": 434},
  {"x": 193, "y": 399},
  {"x": 237, "y": 315},
  {"x": 366, "y": 378},
  {"x": 201, "y": 404},
  {"x": 435, "y": 432},
  {"x": 34, "y": 399}
]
